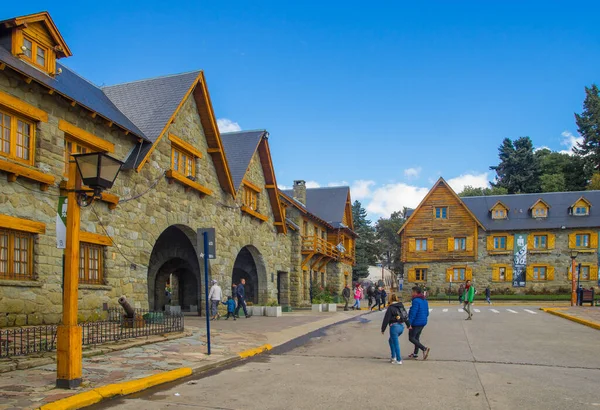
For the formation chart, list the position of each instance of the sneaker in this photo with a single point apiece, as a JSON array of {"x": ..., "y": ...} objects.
[
  {"x": 426, "y": 353},
  {"x": 393, "y": 360},
  {"x": 398, "y": 362},
  {"x": 413, "y": 356}
]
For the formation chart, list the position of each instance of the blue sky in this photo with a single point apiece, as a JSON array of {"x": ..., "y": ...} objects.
[{"x": 384, "y": 96}]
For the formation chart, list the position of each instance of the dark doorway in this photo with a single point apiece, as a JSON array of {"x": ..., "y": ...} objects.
[
  {"x": 249, "y": 265},
  {"x": 283, "y": 293}
]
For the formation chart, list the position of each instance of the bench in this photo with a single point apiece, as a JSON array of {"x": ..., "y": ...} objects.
[{"x": 587, "y": 296}]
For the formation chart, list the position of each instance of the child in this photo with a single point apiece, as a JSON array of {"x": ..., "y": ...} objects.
[{"x": 230, "y": 303}]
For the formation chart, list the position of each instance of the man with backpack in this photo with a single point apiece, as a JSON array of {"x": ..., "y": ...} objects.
[
  {"x": 394, "y": 317},
  {"x": 370, "y": 294},
  {"x": 417, "y": 317},
  {"x": 377, "y": 295}
]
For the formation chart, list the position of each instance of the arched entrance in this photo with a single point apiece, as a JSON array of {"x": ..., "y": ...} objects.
[
  {"x": 249, "y": 265},
  {"x": 174, "y": 262}
]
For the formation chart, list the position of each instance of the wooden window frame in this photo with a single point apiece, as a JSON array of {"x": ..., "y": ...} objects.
[
  {"x": 499, "y": 237},
  {"x": 540, "y": 248},
  {"x": 85, "y": 249},
  {"x": 543, "y": 212},
  {"x": 421, "y": 272},
  {"x": 462, "y": 240},
  {"x": 585, "y": 208},
  {"x": 538, "y": 267},
  {"x": 11, "y": 234},
  {"x": 419, "y": 243},
  {"x": 15, "y": 118},
  {"x": 443, "y": 212},
  {"x": 583, "y": 235},
  {"x": 34, "y": 47},
  {"x": 459, "y": 269},
  {"x": 503, "y": 213}
]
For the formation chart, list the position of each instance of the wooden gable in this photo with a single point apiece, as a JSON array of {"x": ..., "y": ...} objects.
[
  {"x": 499, "y": 211},
  {"x": 539, "y": 209},
  {"x": 348, "y": 219},
  {"x": 581, "y": 203}
]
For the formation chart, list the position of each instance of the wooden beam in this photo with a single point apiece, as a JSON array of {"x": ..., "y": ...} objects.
[
  {"x": 214, "y": 150},
  {"x": 24, "y": 225},
  {"x": 51, "y": 91},
  {"x": 126, "y": 132},
  {"x": 306, "y": 259},
  {"x": 270, "y": 186},
  {"x": 110, "y": 124},
  {"x": 255, "y": 214},
  {"x": 22, "y": 107},
  {"x": 95, "y": 238},
  {"x": 85, "y": 137},
  {"x": 73, "y": 103},
  {"x": 186, "y": 146},
  {"x": 28, "y": 80},
  {"x": 2, "y": 66},
  {"x": 17, "y": 170},
  {"x": 176, "y": 176},
  {"x": 251, "y": 186},
  {"x": 94, "y": 114}
]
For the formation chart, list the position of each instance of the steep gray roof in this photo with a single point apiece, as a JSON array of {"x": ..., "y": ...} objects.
[
  {"x": 329, "y": 203},
  {"x": 519, "y": 217},
  {"x": 75, "y": 87},
  {"x": 239, "y": 148},
  {"x": 150, "y": 103}
]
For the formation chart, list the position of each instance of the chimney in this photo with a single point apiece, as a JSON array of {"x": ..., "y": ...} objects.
[{"x": 300, "y": 191}]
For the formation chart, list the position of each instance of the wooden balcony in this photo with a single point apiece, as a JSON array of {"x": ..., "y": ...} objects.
[{"x": 316, "y": 246}]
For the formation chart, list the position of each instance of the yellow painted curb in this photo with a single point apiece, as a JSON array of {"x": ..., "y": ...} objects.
[
  {"x": 88, "y": 398},
  {"x": 253, "y": 352},
  {"x": 556, "y": 312}
]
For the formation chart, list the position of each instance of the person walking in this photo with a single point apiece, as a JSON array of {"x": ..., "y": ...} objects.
[
  {"x": 241, "y": 297},
  {"x": 215, "y": 296},
  {"x": 383, "y": 296},
  {"x": 461, "y": 292},
  {"x": 488, "y": 295},
  {"x": 357, "y": 296},
  {"x": 377, "y": 296},
  {"x": 394, "y": 317},
  {"x": 370, "y": 294},
  {"x": 230, "y": 303},
  {"x": 468, "y": 296},
  {"x": 346, "y": 295},
  {"x": 417, "y": 317}
]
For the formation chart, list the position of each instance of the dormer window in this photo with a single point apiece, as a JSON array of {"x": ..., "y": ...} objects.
[
  {"x": 499, "y": 211},
  {"x": 581, "y": 210},
  {"x": 35, "y": 53},
  {"x": 539, "y": 209},
  {"x": 581, "y": 207}
]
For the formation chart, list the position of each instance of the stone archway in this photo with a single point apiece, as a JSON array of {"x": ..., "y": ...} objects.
[
  {"x": 249, "y": 265},
  {"x": 174, "y": 260}
]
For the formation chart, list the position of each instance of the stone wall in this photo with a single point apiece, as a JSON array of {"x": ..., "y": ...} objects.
[{"x": 559, "y": 258}]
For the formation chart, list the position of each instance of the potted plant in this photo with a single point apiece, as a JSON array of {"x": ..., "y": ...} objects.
[
  {"x": 273, "y": 309},
  {"x": 328, "y": 305},
  {"x": 255, "y": 310}
]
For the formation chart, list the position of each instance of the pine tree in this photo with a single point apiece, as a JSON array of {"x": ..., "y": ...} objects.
[
  {"x": 588, "y": 123},
  {"x": 518, "y": 171},
  {"x": 389, "y": 240},
  {"x": 365, "y": 247}
]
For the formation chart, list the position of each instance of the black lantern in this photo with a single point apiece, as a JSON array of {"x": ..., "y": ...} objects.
[{"x": 98, "y": 170}]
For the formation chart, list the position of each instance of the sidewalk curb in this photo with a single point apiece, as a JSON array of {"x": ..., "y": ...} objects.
[
  {"x": 253, "y": 352},
  {"x": 556, "y": 312}
]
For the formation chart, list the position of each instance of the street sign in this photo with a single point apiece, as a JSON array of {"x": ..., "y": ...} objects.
[
  {"x": 61, "y": 223},
  {"x": 212, "y": 245}
]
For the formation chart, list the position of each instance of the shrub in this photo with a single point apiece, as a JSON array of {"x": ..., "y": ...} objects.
[{"x": 272, "y": 303}]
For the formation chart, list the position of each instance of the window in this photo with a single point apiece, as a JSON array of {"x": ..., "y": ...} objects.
[
  {"x": 16, "y": 255},
  {"x": 421, "y": 244},
  {"x": 584, "y": 273},
  {"x": 34, "y": 52},
  {"x": 72, "y": 147},
  {"x": 458, "y": 274},
  {"x": 540, "y": 212},
  {"x": 251, "y": 198},
  {"x": 581, "y": 210},
  {"x": 499, "y": 213},
  {"x": 502, "y": 273},
  {"x": 540, "y": 242},
  {"x": 420, "y": 274},
  {"x": 441, "y": 212},
  {"x": 500, "y": 242},
  {"x": 183, "y": 162},
  {"x": 90, "y": 263},
  {"x": 16, "y": 137},
  {"x": 539, "y": 273},
  {"x": 460, "y": 244},
  {"x": 305, "y": 228},
  {"x": 582, "y": 240},
  {"x": 323, "y": 235}
]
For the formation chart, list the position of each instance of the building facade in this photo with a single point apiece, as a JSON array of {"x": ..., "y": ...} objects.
[
  {"x": 516, "y": 242},
  {"x": 179, "y": 175}
]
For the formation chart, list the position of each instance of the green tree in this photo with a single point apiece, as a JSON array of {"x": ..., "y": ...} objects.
[
  {"x": 562, "y": 172},
  {"x": 366, "y": 246},
  {"x": 553, "y": 183},
  {"x": 469, "y": 190},
  {"x": 595, "y": 182},
  {"x": 588, "y": 126},
  {"x": 389, "y": 241},
  {"x": 518, "y": 171}
]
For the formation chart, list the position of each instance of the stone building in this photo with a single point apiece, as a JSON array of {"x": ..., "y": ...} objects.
[
  {"x": 180, "y": 174},
  {"x": 520, "y": 242}
]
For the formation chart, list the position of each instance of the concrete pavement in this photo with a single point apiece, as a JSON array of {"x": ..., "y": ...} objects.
[{"x": 513, "y": 359}]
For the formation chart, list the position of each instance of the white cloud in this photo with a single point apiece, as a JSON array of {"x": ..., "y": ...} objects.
[
  {"x": 570, "y": 141},
  {"x": 412, "y": 172},
  {"x": 340, "y": 183},
  {"x": 361, "y": 189},
  {"x": 541, "y": 148},
  {"x": 226, "y": 125},
  {"x": 394, "y": 197},
  {"x": 313, "y": 184},
  {"x": 283, "y": 187},
  {"x": 475, "y": 180}
]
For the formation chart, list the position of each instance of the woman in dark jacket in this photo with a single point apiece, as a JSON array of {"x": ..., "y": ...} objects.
[{"x": 395, "y": 316}]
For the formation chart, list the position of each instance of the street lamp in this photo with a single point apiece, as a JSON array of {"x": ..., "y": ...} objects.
[
  {"x": 573, "y": 280},
  {"x": 98, "y": 171}
]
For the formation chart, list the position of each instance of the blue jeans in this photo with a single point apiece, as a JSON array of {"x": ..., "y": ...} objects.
[
  {"x": 356, "y": 303},
  {"x": 395, "y": 331}
]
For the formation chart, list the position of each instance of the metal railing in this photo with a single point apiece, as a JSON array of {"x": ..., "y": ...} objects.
[
  {"x": 319, "y": 246},
  {"x": 25, "y": 341}
]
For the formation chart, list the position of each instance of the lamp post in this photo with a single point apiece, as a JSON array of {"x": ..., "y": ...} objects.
[
  {"x": 573, "y": 280},
  {"x": 98, "y": 171}
]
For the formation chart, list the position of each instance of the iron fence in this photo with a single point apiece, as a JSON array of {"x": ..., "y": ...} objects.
[{"x": 39, "y": 339}]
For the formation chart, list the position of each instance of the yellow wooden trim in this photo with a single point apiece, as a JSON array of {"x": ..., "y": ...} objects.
[
  {"x": 95, "y": 238},
  {"x": 214, "y": 150},
  {"x": 22, "y": 107},
  {"x": 179, "y": 143},
  {"x": 251, "y": 186},
  {"x": 2, "y": 66},
  {"x": 85, "y": 137},
  {"x": 188, "y": 182},
  {"x": 450, "y": 244},
  {"x": 270, "y": 186},
  {"x": 23, "y": 225},
  {"x": 255, "y": 214},
  {"x": 17, "y": 170}
]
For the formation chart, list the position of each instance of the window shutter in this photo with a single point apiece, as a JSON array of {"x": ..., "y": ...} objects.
[
  {"x": 530, "y": 242},
  {"x": 430, "y": 244},
  {"x": 510, "y": 242},
  {"x": 551, "y": 241},
  {"x": 594, "y": 272},
  {"x": 572, "y": 241},
  {"x": 449, "y": 273},
  {"x": 593, "y": 240},
  {"x": 509, "y": 274},
  {"x": 550, "y": 273},
  {"x": 412, "y": 245},
  {"x": 450, "y": 244},
  {"x": 495, "y": 273},
  {"x": 529, "y": 273},
  {"x": 469, "y": 273},
  {"x": 433, "y": 211},
  {"x": 490, "y": 243},
  {"x": 412, "y": 275},
  {"x": 470, "y": 241}
]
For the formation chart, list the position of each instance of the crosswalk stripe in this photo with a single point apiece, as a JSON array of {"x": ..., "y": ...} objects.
[
  {"x": 461, "y": 310},
  {"x": 511, "y": 311},
  {"x": 445, "y": 310},
  {"x": 494, "y": 310},
  {"x": 530, "y": 311},
  {"x": 477, "y": 311}
]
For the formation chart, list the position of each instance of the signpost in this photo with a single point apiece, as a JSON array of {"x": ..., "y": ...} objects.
[
  {"x": 206, "y": 237},
  {"x": 61, "y": 223}
]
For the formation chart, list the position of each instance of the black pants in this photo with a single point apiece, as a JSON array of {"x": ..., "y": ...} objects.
[
  {"x": 230, "y": 314},
  {"x": 242, "y": 304},
  {"x": 347, "y": 299},
  {"x": 370, "y": 300},
  {"x": 377, "y": 303},
  {"x": 414, "y": 335},
  {"x": 383, "y": 301}
]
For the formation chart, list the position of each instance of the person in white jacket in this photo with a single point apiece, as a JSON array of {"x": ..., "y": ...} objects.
[{"x": 215, "y": 295}]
